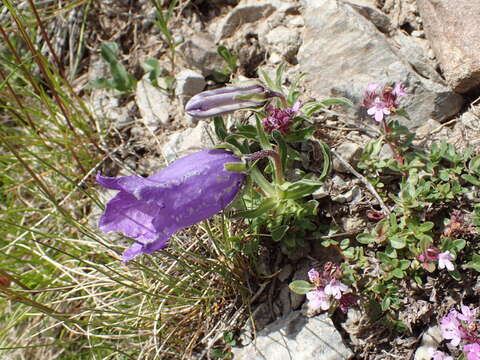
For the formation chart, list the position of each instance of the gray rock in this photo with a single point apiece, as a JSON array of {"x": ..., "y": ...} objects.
[
  {"x": 200, "y": 52},
  {"x": 466, "y": 131},
  {"x": 351, "y": 152},
  {"x": 284, "y": 41},
  {"x": 351, "y": 196},
  {"x": 353, "y": 325},
  {"x": 296, "y": 21},
  {"x": 246, "y": 11},
  {"x": 427, "y": 128},
  {"x": 285, "y": 273},
  {"x": 262, "y": 316},
  {"x": 152, "y": 103},
  {"x": 250, "y": 50},
  {"x": 295, "y": 337},
  {"x": 338, "y": 181},
  {"x": 453, "y": 31},
  {"x": 386, "y": 153},
  {"x": 282, "y": 304},
  {"x": 431, "y": 339},
  {"x": 106, "y": 105},
  {"x": 402, "y": 14},
  {"x": 418, "y": 34},
  {"x": 343, "y": 52},
  {"x": 414, "y": 50},
  {"x": 188, "y": 83},
  {"x": 301, "y": 273},
  {"x": 370, "y": 11},
  {"x": 191, "y": 140},
  {"x": 322, "y": 192},
  {"x": 425, "y": 132}
]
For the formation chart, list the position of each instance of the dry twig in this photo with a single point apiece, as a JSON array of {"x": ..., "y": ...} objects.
[{"x": 364, "y": 180}]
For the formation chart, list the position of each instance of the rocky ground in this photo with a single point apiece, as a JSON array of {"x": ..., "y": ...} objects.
[{"x": 342, "y": 45}]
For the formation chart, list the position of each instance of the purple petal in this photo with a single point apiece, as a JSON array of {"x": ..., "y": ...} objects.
[
  {"x": 126, "y": 214},
  {"x": 296, "y": 107},
  {"x": 371, "y": 87},
  {"x": 132, "y": 252},
  {"x": 379, "y": 115},
  {"x": 313, "y": 275},
  {"x": 124, "y": 183},
  {"x": 152, "y": 209},
  {"x": 399, "y": 90}
]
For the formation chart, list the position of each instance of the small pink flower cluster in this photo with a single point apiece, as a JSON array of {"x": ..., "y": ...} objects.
[
  {"x": 382, "y": 101},
  {"x": 461, "y": 327},
  {"x": 280, "y": 119},
  {"x": 328, "y": 288},
  {"x": 433, "y": 254}
]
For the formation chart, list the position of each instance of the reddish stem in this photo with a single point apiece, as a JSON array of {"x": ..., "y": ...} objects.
[{"x": 392, "y": 145}]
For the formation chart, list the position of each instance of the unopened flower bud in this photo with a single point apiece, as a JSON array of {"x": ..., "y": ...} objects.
[{"x": 224, "y": 100}]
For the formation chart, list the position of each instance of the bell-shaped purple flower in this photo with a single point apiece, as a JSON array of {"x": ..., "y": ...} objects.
[{"x": 152, "y": 209}]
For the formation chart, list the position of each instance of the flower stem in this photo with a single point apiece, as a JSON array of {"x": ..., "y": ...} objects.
[
  {"x": 258, "y": 177},
  {"x": 279, "y": 95},
  {"x": 280, "y": 179},
  {"x": 392, "y": 145}
]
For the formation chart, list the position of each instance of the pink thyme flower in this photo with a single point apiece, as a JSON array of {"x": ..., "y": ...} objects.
[
  {"x": 439, "y": 355},
  {"x": 317, "y": 299},
  {"x": 280, "y": 119},
  {"x": 472, "y": 351},
  {"x": 382, "y": 101},
  {"x": 399, "y": 90},
  {"x": 335, "y": 288},
  {"x": 313, "y": 275},
  {"x": 430, "y": 254},
  {"x": 467, "y": 314},
  {"x": 451, "y": 328},
  {"x": 370, "y": 95},
  {"x": 378, "y": 110},
  {"x": 444, "y": 261},
  {"x": 328, "y": 289}
]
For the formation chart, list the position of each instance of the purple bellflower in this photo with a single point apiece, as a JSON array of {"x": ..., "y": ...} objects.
[
  {"x": 224, "y": 100},
  {"x": 152, "y": 209}
]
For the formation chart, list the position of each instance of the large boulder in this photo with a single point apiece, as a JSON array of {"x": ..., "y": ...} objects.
[
  {"x": 343, "y": 52},
  {"x": 452, "y": 27}
]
